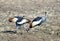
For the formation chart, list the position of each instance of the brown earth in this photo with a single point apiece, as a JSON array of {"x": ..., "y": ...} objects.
[{"x": 48, "y": 31}]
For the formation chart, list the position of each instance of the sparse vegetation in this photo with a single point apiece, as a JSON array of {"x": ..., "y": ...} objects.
[{"x": 48, "y": 31}]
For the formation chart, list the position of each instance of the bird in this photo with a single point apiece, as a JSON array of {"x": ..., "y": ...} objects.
[
  {"x": 19, "y": 21},
  {"x": 37, "y": 21}
]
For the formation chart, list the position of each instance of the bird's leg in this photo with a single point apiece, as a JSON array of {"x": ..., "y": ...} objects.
[
  {"x": 16, "y": 28},
  {"x": 24, "y": 28},
  {"x": 27, "y": 29}
]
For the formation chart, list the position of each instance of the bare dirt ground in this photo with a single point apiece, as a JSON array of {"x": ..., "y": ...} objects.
[{"x": 48, "y": 31}]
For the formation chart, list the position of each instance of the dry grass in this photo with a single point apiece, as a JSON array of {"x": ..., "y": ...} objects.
[{"x": 48, "y": 31}]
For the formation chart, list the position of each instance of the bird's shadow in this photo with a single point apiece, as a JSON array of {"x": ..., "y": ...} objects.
[{"x": 8, "y": 31}]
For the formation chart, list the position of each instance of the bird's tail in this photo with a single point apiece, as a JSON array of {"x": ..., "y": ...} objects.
[
  {"x": 10, "y": 19},
  {"x": 29, "y": 21},
  {"x": 30, "y": 25}
]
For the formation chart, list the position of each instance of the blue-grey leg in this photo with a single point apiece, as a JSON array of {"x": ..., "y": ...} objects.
[
  {"x": 17, "y": 27},
  {"x": 28, "y": 29}
]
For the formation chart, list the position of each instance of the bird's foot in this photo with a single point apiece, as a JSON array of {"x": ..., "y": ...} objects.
[
  {"x": 15, "y": 31},
  {"x": 27, "y": 30}
]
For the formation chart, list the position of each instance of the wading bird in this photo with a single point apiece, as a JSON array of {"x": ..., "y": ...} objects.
[
  {"x": 18, "y": 20},
  {"x": 37, "y": 21}
]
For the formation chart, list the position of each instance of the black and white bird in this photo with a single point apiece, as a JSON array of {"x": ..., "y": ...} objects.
[
  {"x": 18, "y": 20},
  {"x": 37, "y": 21}
]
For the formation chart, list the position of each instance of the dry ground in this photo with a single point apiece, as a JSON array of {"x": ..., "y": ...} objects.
[{"x": 48, "y": 31}]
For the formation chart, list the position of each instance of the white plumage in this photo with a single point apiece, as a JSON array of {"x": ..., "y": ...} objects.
[
  {"x": 18, "y": 20},
  {"x": 36, "y": 22},
  {"x": 22, "y": 22}
]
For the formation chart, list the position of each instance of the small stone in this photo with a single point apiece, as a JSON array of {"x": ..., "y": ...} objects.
[{"x": 52, "y": 32}]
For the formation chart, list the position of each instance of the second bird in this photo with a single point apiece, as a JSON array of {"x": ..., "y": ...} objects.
[
  {"x": 37, "y": 21},
  {"x": 19, "y": 20}
]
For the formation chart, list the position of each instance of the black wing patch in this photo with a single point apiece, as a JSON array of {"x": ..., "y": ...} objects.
[
  {"x": 19, "y": 18},
  {"x": 37, "y": 19}
]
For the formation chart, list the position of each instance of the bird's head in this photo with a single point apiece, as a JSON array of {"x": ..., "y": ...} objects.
[
  {"x": 46, "y": 14},
  {"x": 12, "y": 19}
]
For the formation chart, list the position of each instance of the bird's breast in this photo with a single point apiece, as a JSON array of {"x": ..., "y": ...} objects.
[
  {"x": 36, "y": 22},
  {"x": 22, "y": 21}
]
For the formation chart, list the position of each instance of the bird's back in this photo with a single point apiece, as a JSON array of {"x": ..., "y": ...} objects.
[
  {"x": 37, "y": 19},
  {"x": 19, "y": 18}
]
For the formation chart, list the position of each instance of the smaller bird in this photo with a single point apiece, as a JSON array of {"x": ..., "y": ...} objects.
[
  {"x": 19, "y": 20},
  {"x": 37, "y": 21}
]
